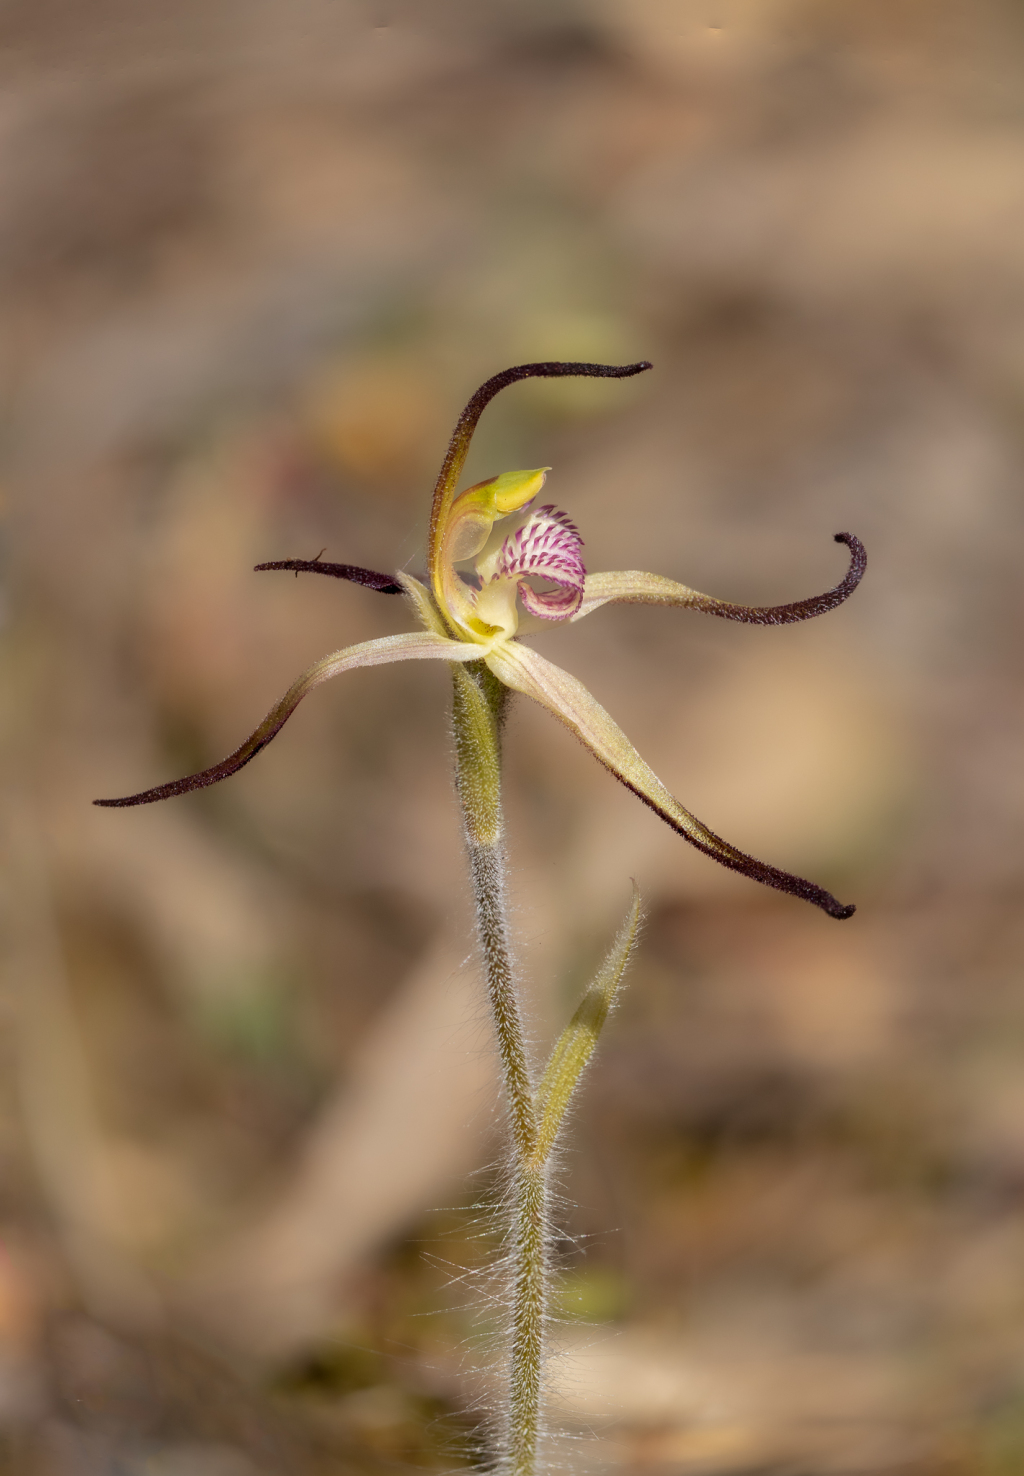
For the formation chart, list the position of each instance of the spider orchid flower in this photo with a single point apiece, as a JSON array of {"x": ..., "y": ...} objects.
[{"x": 493, "y": 555}]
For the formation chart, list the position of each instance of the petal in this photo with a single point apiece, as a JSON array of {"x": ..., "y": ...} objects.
[
  {"x": 528, "y": 672},
  {"x": 385, "y": 583},
  {"x": 422, "y": 602},
  {"x": 414, "y": 646},
  {"x": 631, "y": 587}
]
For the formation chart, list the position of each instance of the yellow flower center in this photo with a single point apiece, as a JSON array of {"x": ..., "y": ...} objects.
[{"x": 534, "y": 556}]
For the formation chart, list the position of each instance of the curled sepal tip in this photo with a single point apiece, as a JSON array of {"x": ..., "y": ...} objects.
[
  {"x": 526, "y": 671},
  {"x": 631, "y": 587},
  {"x": 576, "y": 1044},
  {"x": 415, "y": 646}
]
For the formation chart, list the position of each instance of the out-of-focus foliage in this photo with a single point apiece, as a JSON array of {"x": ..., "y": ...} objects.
[{"x": 253, "y": 259}]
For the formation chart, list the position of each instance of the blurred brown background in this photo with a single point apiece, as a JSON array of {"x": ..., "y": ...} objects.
[{"x": 254, "y": 257}]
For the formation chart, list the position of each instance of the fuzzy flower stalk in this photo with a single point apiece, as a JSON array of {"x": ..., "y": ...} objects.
[{"x": 500, "y": 565}]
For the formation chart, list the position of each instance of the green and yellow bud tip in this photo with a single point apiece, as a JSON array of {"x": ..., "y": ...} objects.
[{"x": 512, "y": 490}]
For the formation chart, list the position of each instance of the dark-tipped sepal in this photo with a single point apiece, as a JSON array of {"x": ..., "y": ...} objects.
[{"x": 383, "y": 583}]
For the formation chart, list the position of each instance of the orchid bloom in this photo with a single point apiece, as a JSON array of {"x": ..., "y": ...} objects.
[{"x": 492, "y": 552}]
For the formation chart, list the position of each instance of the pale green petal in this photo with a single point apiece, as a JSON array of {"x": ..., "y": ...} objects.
[
  {"x": 633, "y": 587},
  {"x": 422, "y": 601},
  {"x": 528, "y": 672}
]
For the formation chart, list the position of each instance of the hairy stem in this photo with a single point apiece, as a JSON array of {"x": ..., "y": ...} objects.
[
  {"x": 529, "y": 1313},
  {"x": 479, "y": 706}
]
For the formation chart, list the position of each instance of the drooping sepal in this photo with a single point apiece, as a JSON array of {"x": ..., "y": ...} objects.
[
  {"x": 528, "y": 672},
  {"x": 576, "y": 1044},
  {"x": 417, "y": 645}
]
